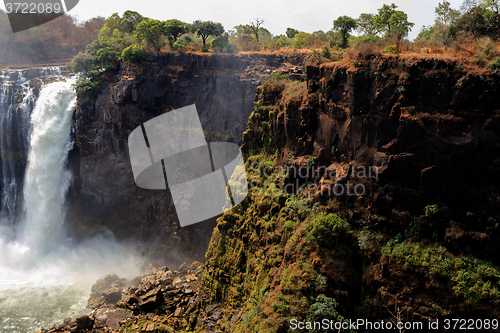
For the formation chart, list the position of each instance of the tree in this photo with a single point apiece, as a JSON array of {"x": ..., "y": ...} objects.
[
  {"x": 174, "y": 29},
  {"x": 254, "y": 25},
  {"x": 130, "y": 20},
  {"x": 207, "y": 28},
  {"x": 94, "y": 24},
  {"x": 151, "y": 31},
  {"x": 427, "y": 32},
  {"x": 478, "y": 21},
  {"x": 468, "y": 5},
  {"x": 445, "y": 14},
  {"x": 382, "y": 19},
  {"x": 393, "y": 22},
  {"x": 302, "y": 40},
  {"x": 367, "y": 25},
  {"x": 344, "y": 24},
  {"x": 493, "y": 12},
  {"x": 82, "y": 63},
  {"x": 107, "y": 53},
  {"x": 242, "y": 29},
  {"x": 134, "y": 54},
  {"x": 113, "y": 23},
  {"x": 290, "y": 32},
  {"x": 401, "y": 25}
]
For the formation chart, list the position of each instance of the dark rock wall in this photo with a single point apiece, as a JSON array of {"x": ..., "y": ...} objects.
[
  {"x": 104, "y": 196},
  {"x": 431, "y": 129}
]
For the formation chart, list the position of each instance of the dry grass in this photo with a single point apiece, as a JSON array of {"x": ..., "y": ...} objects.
[
  {"x": 295, "y": 90},
  {"x": 425, "y": 46},
  {"x": 466, "y": 45},
  {"x": 362, "y": 50}
]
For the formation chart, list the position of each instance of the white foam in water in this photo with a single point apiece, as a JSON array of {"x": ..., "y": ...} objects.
[{"x": 44, "y": 278}]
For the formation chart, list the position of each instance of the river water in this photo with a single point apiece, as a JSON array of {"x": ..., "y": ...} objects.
[{"x": 44, "y": 276}]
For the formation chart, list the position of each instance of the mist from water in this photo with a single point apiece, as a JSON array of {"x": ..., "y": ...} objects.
[{"x": 44, "y": 276}]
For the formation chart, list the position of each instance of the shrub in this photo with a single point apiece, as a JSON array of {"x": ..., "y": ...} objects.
[
  {"x": 324, "y": 308},
  {"x": 182, "y": 43},
  {"x": 494, "y": 65},
  {"x": 281, "y": 41},
  {"x": 392, "y": 49},
  {"x": 325, "y": 228},
  {"x": 82, "y": 62},
  {"x": 219, "y": 43},
  {"x": 87, "y": 88},
  {"x": 372, "y": 39},
  {"x": 474, "y": 280},
  {"x": 430, "y": 209},
  {"x": 363, "y": 50},
  {"x": 277, "y": 80},
  {"x": 205, "y": 48},
  {"x": 231, "y": 48},
  {"x": 247, "y": 42},
  {"x": 325, "y": 53},
  {"x": 134, "y": 54},
  {"x": 488, "y": 51},
  {"x": 303, "y": 39}
]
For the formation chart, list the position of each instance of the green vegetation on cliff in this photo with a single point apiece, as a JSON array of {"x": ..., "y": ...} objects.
[
  {"x": 276, "y": 257},
  {"x": 272, "y": 257}
]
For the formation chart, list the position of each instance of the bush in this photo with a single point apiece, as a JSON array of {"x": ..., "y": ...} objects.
[
  {"x": 281, "y": 41},
  {"x": 325, "y": 53},
  {"x": 494, "y": 65},
  {"x": 277, "y": 80},
  {"x": 205, "y": 48},
  {"x": 82, "y": 62},
  {"x": 392, "y": 49},
  {"x": 182, "y": 43},
  {"x": 246, "y": 42},
  {"x": 324, "y": 308},
  {"x": 363, "y": 50},
  {"x": 219, "y": 43},
  {"x": 474, "y": 280},
  {"x": 134, "y": 54},
  {"x": 87, "y": 88},
  {"x": 222, "y": 44},
  {"x": 366, "y": 39},
  {"x": 231, "y": 48},
  {"x": 303, "y": 39},
  {"x": 430, "y": 209},
  {"x": 326, "y": 228},
  {"x": 466, "y": 44}
]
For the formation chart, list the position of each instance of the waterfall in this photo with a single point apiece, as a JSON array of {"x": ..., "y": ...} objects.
[
  {"x": 44, "y": 277},
  {"x": 46, "y": 180},
  {"x": 16, "y": 103}
]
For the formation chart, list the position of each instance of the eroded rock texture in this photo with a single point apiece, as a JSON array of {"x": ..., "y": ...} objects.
[{"x": 104, "y": 196}]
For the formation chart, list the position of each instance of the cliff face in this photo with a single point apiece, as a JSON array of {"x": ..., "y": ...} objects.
[
  {"x": 104, "y": 193},
  {"x": 410, "y": 132},
  {"x": 416, "y": 245},
  {"x": 394, "y": 164}
]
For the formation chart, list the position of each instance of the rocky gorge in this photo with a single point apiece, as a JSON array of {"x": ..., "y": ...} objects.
[
  {"x": 104, "y": 194},
  {"x": 419, "y": 243}
]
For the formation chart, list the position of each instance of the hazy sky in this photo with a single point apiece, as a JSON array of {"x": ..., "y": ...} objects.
[{"x": 308, "y": 16}]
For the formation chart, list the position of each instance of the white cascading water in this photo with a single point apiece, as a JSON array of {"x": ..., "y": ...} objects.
[
  {"x": 8, "y": 139},
  {"x": 44, "y": 278},
  {"x": 46, "y": 179}
]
